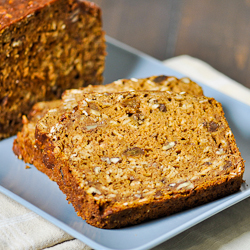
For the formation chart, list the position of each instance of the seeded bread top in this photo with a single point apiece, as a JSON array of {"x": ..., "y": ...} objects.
[
  {"x": 12, "y": 11},
  {"x": 71, "y": 97},
  {"x": 135, "y": 147},
  {"x": 156, "y": 83}
]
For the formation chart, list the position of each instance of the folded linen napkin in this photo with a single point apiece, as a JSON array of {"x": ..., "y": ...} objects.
[
  {"x": 21, "y": 228},
  {"x": 198, "y": 70}
]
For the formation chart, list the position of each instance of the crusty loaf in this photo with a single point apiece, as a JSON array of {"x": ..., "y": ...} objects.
[
  {"x": 24, "y": 145},
  {"x": 46, "y": 46},
  {"x": 123, "y": 158}
]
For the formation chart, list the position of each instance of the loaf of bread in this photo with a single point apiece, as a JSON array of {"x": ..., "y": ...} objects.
[
  {"x": 124, "y": 158},
  {"x": 24, "y": 145},
  {"x": 46, "y": 46}
]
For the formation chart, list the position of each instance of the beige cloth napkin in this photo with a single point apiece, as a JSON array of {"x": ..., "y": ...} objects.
[
  {"x": 21, "y": 228},
  {"x": 203, "y": 72}
]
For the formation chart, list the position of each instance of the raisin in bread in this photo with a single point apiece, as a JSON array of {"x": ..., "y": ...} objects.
[
  {"x": 124, "y": 158},
  {"x": 51, "y": 45}
]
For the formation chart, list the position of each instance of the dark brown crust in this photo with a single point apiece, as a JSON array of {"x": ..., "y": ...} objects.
[
  {"x": 98, "y": 216},
  {"x": 24, "y": 145},
  {"x": 13, "y": 11},
  {"x": 34, "y": 158},
  {"x": 52, "y": 46}
]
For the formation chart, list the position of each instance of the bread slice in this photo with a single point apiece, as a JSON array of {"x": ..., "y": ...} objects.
[
  {"x": 71, "y": 97},
  {"x": 24, "y": 145},
  {"x": 124, "y": 158}
]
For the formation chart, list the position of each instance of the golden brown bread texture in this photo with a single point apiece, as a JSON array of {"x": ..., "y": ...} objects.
[
  {"x": 24, "y": 145},
  {"x": 124, "y": 158},
  {"x": 71, "y": 97},
  {"x": 46, "y": 46}
]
